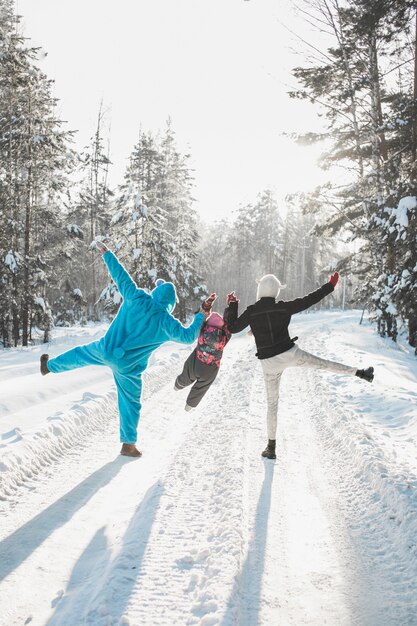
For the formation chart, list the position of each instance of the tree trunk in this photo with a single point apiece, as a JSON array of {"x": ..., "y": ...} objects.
[
  {"x": 28, "y": 203},
  {"x": 414, "y": 130},
  {"x": 377, "y": 144},
  {"x": 412, "y": 329},
  {"x": 26, "y": 275},
  {"x": 353, "y": 103}
]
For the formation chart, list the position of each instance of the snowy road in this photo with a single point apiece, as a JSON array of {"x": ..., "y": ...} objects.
[{"x": 201, "y": 530}]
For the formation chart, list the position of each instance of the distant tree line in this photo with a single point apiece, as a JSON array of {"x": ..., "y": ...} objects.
[{"x": 264, "y": 239}]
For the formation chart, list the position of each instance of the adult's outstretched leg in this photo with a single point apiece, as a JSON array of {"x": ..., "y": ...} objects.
[
  {"x": 302, "y": 358},
  {"x": 89, "y": 354},
  {"x": 129, "y": 388}
]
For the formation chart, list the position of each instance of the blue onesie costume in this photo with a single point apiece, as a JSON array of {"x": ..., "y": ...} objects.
[{"x": 143, "y": 323}]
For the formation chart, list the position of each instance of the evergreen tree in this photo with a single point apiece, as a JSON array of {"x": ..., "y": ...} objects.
[
  {"x": 154, "y": 224},
  {"x": 267, "y": 231},
  {"x": 175, "y": 197},
  {"x": 367, "y": 89},
  {"x": 90, "y": 218},
  {"x": 138, "y": 225},
  {"x": 34, "y": 158}
]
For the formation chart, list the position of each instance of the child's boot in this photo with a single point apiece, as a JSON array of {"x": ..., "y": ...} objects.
[
  {"x": 269, "y": 451},
  {"x": 44, "y": 364},
  {"x": 367, "y": 374}
]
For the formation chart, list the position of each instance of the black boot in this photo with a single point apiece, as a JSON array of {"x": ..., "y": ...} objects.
[
  {"x": 269, "y": 451},
  {"x": 44, "y": 364},
  {"x": 367, "y": 374}
]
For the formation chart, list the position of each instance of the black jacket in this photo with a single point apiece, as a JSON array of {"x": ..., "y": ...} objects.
[{"x": 269, "y": 320}]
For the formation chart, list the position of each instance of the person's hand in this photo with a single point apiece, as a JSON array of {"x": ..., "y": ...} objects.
[
  {"x": 231, "y": 297},
  {"x": 101, "y": 247},
  {"x": 208, "y": 303},
  {"x": 333, "y": 279}
]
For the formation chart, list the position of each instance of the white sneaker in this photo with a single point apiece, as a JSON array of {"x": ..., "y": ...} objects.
[{"x": 188, "y": 407}]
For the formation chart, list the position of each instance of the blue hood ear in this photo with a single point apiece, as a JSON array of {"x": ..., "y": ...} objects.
[{"x": 165, "y": 295}]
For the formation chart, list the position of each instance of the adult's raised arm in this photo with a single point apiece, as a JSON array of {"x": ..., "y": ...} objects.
[
  {"x": 301, "y": 304},
  {"x": 125, "y": 283},
  {"x": 184, "y": 334}
]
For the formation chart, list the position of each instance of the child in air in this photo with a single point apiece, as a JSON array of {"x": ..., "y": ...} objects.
[{"x": 202, "y": 366}]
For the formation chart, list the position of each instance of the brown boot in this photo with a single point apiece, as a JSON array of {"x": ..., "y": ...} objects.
[
  {"x": 129, "y": 449},
  {"x": 44, "y": 364}
]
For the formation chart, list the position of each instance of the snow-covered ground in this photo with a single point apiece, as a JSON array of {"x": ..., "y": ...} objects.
[{"x": 202, "y": 530}]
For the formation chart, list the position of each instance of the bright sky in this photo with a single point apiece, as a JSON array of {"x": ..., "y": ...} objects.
[{"x": 219, "y": 68}]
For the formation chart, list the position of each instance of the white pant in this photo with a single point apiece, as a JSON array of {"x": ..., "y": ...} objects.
[{"x": 295, "y": 357}]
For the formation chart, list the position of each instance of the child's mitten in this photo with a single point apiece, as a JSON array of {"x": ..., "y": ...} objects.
[{"x": 207, "y": 304}]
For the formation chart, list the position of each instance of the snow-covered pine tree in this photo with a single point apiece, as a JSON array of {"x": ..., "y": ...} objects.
[
  {"x": 296, "y": 242},
  {"x": 175, "y": 197},
  {"x": 154, "y": 224},
  {"x": 33, "y": 155},
  {"x": 355, "y": 83},
  {"x": 244, "y": 254},
  {"x": 11, "y": 226},
  {"x": 396, "y": 293},
  {"x": 91, "y": 216},
  {"x": 216, "y": 260},
  {"x": 139, "y": 224},
  {"x": 267, "y": 233}
]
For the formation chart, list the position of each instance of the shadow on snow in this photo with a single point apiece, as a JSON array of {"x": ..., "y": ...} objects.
[
  {"x": 18, "y": 546},
  {"x": 243, "y": 605}
]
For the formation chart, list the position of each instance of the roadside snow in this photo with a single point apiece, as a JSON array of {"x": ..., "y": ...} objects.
[{"x": 202, "y": 530}]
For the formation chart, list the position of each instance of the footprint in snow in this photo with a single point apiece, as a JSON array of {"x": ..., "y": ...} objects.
[
  {"x": 58, "y": 598},
  {"x": 55, "y": 416},
  {"x": 185, "y": 562},
  {"x": 87, "y": 396},
  {"x": 15, "y": 432}
]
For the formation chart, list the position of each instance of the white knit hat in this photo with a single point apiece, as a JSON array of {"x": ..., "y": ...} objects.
[{"x": 269, "y": 287}]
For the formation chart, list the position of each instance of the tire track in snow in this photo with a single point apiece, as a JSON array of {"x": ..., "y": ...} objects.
[
  {"x": 291, "y": 574},
  {"x": 202, "y": 531},
  {"x": 377, "y": 499},
  {"x": 66, "y": 513},
  {"x": 379, "y": 512},
  {"x": 93, "y": 416},
  {"x": 42, "y": 450}
]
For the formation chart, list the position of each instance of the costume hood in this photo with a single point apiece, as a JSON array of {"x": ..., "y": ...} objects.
[{"x": 165, "y": 295}]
